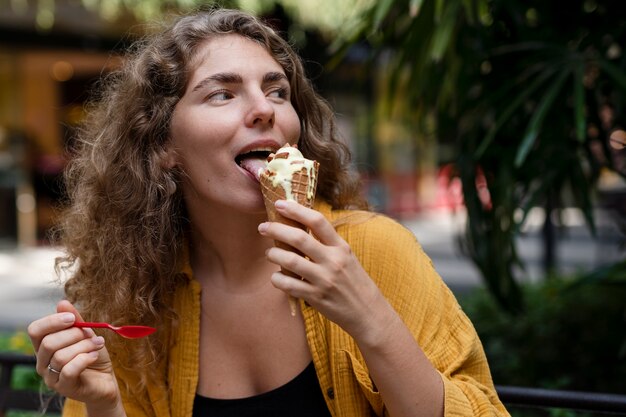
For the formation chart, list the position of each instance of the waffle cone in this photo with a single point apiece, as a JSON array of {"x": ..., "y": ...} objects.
[{"x": 300, "y": 193}]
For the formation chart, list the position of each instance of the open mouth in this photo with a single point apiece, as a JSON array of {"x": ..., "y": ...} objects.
[{"x": 253, "y": 161}]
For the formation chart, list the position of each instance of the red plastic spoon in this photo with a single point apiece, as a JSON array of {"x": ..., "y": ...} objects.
[{"x": 129, "y": 332}]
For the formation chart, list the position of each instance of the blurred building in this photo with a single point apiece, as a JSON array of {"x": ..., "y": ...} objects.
[
  {"x": 49, "y": 59},
  {"x": 47, "y": 63}
]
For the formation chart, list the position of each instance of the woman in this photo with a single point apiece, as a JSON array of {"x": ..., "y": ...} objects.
[{"x": 166, "y": 228}]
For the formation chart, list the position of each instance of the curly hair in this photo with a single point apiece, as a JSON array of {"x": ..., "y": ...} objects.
[{"x": 124, "y": 226}]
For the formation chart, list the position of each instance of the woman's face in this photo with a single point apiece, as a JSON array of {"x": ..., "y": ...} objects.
[{"x": 235, "y": 110}]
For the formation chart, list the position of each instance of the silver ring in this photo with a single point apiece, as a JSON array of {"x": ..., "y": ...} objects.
[{"x": 54, "y": 371}]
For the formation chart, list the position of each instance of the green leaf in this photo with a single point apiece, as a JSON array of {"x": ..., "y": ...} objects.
[
  {"x": 582, "y": 193},
  {"x": 439, "y": 9},
  {"x": 443, "y": 34},
  {"x": 468, "y": 5},
  {"x": 536, "y": 194},
  {"x": 615, "y": 72},
  {"x": 537, "y": 119},
  {"x": 484, "y": 14},
  {"x": 579, "y": 103},
  {"x": 528, "y": 46},
  {"x": 381, "y": 12},
  {"x": 511, "y": 109},
  {"x": 349, "y": 35},
  {"x": 472, "y": 9},
  {"x": 414, "y": 7}
]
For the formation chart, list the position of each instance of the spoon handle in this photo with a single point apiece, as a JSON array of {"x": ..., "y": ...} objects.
[{"x": 93, "y": 325}]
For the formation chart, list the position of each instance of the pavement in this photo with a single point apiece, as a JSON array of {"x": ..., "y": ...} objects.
[
  {"x": 28, "y": 287},
  {"x": 576, "y": 249}
]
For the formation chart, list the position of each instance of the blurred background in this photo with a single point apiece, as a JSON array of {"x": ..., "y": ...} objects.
[{"x": 493, "y": 129}]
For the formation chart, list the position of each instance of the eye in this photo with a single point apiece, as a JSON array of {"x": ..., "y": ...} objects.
[
  {"x": 279, "y": 92},
  {"x": 221, "y": 95}
]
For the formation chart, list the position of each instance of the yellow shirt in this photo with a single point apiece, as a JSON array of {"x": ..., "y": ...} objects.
[{"x": 396, "y": 262}]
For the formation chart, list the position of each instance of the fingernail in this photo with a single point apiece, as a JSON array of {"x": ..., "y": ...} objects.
[
  {"x": 67, "y": 318},
  {"x": 280, "y": 204},
  {"x": 263, "y": 227},
  {"x": 98, "y": 340}
]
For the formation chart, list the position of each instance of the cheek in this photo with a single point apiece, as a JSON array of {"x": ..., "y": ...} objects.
[
  {"x": 187, "y": 141},
  {"x": 178, "y": 128},
  {"x": 194, "y": 130},
  {"x": 294, "y": 126}
]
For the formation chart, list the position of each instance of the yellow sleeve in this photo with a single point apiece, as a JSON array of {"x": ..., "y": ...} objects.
[
  {"x": 135, "y": 405},
  {"x": 72, "y": 408},
  {"x": 406, "y": 276}
]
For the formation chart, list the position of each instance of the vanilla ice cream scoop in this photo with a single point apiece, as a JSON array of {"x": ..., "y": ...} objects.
[{"x": 282, "y": 168}]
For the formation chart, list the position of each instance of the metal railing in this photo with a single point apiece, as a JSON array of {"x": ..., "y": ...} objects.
[
  {"x": 14, "y": 399},
  {"x": 572, "y": 400}
]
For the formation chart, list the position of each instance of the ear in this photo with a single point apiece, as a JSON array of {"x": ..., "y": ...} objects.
[{"x": 168, "y": 156}]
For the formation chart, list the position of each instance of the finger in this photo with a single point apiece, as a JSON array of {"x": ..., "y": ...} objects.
[
  {"x": 290, "y": 285},
  {"x": 294, "y": 262},
  {"x": 38, "y": 329},
  {"x": 65, "y": 355},
  {"x": 52, "y": 377},
  {"x": 53, "y": 343},
  {"x": 294, "y": 237},
  {"x": 65, "y": 306},
  {"x": 72, "y": 370},
  {"x": 313, "y": 219},
  {"x": 62, "y": 357}
]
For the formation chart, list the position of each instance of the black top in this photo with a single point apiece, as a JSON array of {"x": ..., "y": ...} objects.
[{"x": 301, "y": 397}]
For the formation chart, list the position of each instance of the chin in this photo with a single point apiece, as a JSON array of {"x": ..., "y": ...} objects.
[{"x": 254, "y": 206}]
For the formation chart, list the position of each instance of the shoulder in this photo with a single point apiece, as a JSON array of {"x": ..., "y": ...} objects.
[
  {"x": 375, "y": 235},
  {"x": 374, "y": 229},
  {"x": 387, "y": 250}
]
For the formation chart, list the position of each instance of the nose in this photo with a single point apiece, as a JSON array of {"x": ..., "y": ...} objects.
[{"x": 260, "y": 111}]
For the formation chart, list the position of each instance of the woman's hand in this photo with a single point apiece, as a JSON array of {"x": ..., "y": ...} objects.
[
  {"x": 73, "y": 361},
  {"x": 335, "y": 283},
  {"x": 333, "y": 280}
]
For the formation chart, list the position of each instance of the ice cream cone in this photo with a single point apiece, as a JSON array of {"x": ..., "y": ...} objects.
[{"x": 302, "y": 190}]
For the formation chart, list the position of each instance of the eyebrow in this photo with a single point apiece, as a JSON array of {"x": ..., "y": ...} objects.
[
  {"x": 273, "y": 77},
  {"x": 233, "y": 78}
]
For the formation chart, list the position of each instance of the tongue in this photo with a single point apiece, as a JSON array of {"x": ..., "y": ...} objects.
[{"x": 253, "y": 165}]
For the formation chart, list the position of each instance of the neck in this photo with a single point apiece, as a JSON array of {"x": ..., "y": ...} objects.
[{"x": 226, "y": 246}]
